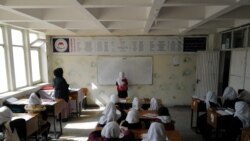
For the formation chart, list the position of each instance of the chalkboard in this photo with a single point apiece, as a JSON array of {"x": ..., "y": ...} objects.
[{"x": 138, "y": 70}]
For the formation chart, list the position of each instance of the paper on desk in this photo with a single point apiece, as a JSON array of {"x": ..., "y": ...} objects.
[
  {"x": 144, "y": 136},
  {"x": 223, "y": 112},
  {"x": 150, "y": 115}
]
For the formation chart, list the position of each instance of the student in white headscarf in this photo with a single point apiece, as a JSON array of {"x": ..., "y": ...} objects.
[
  {"x": 114, "y": 98},
  {"x": 229, "y": 97},
  {"x": 35, "y": 106},
  {"x": 156, "y": 132},
  {"x": 132, "y": 120},
  {"x": 165, "y": 118},
  {"x": 110, "y": 113},
  {"x": 5, "y": 121},
  {"x": 154, "y": 105},
  {"x": 111, "y": 132},
  {"x": 244, "y": 95},
  {"x": 211, "y": 98},
  {"x": 240, "y": 120},
  {"x": 211, "y": 101},
  {"x": 136, "y": 104},
  {"x": 122, "y": 85}
]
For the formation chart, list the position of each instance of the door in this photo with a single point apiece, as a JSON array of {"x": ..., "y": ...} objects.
[{"x": 207, "y": 72}]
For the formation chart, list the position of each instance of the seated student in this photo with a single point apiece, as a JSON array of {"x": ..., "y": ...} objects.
[
  {"x": 111, "y": 132},
  {"x": 5, "y": 121},
  {"x": 211, "y": 101},
  {"x": 154, "y": 105},
  {"x": 132, "y": 120},
  {"x": 35, "y": 106},
  {"x": 244, "y": 95},
  {"x": 165, "y": 118},
  {"x": 229, "y": 97},
  {"x": 110, "y": 113},
  {"x": 240, "y": 120},
  {"x": 136, "y": 104},
  {"x": 114, "y": 98},
  {"x": 156, "y": 132}
]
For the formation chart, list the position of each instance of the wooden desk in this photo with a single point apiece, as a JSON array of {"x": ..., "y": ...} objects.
[
  {"x": 197, "y": 106},
  {"x": 172, "y": 135},
  {"x": 143, "y": 114},
  {"x": 216, "y": 119},
  {"x": 31, "y": 122},
  {"x": 54, "y": 109},
  {"x": 245, "y": 134},
  {"x": 76, "y": 98}
]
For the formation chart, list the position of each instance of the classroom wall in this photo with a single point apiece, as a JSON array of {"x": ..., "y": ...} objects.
[{"x": 173, "y": 83}]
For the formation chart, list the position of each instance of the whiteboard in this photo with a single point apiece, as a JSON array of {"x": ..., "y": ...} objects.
[{"x": 138, "y": 70}]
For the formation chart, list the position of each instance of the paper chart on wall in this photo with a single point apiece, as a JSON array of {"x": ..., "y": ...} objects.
[{"x": 124, "y": 45}]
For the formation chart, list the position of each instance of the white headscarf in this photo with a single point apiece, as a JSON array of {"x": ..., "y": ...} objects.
[
  {"x": 5, "y": 114},
  {"x": 229, "y": 94},
  {"x": 110, "y": 114},
  {"x": 156, "y": 132},
  {"x": 242, "y": 111},
  {"x": 34, "y": 100},
  {"x": 164, "y": 119},
  {"x": 153, "y": 104},
  {"x": 114, "y": 98},
  {"x": 111, "y": 130},
  {"x": 210, "y": 97},
  {"x": 245, "y": 95},
  {"x": 132, "y": 116},
  {"x": 120, "y": 78},
  {"x": 136, "y": 103}
]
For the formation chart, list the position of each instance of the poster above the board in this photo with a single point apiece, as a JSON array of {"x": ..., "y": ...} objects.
[{"x": 136, "y": 45}]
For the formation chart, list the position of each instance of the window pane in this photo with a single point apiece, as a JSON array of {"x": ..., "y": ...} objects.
[
  {"x": 19, "y": 66},
  {"x": 35, "y": 65},
  {"x": 33, "y": 37},
  {"x": 239, "y": 38},
  {"x": 17, "y": 37},
  {"x": 1, "y": 36},
  {"x": 3, "y": 74}
]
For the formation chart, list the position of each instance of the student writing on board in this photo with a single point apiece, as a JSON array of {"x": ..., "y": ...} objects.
[{"x": 122, "y": 85}]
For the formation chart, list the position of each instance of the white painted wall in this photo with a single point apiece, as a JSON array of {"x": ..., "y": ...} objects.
[{"x": 173, "y": 84}]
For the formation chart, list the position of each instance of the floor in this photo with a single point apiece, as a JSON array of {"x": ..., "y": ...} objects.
[{"x": 77, "y": 129}]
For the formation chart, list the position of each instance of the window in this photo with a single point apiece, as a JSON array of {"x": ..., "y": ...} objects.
[
  {"x": 3, "y": 72},
  {"x": 239, "y": 38},
  {"x": 35, "y": 58},
  {"x": 248, "y": 36},
  {"x": 226, "y": 40},
  {"x": 18, "y": 58},
  {"x": 33, "y": 37},
  {"x": 35, "y": 65}
]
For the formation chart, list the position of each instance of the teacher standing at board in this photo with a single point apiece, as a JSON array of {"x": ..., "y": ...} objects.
[{"x": 122, "y": 85}]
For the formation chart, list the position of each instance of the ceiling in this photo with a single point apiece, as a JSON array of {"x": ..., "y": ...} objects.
[{"x": 125, "y": 17}]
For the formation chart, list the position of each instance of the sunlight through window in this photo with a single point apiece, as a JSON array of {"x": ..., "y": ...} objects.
[
  {"x": 3, "y": 73},
  {"x": 35, "y": 65},
  {"x": 82, "y": 125},
  {"x": 93, "y": 86}
]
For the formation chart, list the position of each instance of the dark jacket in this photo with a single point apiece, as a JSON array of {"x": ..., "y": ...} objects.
[{"x": 61, "y": 88}]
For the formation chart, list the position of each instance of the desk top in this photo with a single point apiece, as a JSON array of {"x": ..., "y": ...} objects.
[
  {"x": 142, "y": 100},
  {"x": 25, "y": 116},
  {"x": 45, "y": 102},
  {"x": 146, "y": 114},
  {"x": 172, "y": 135}
]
